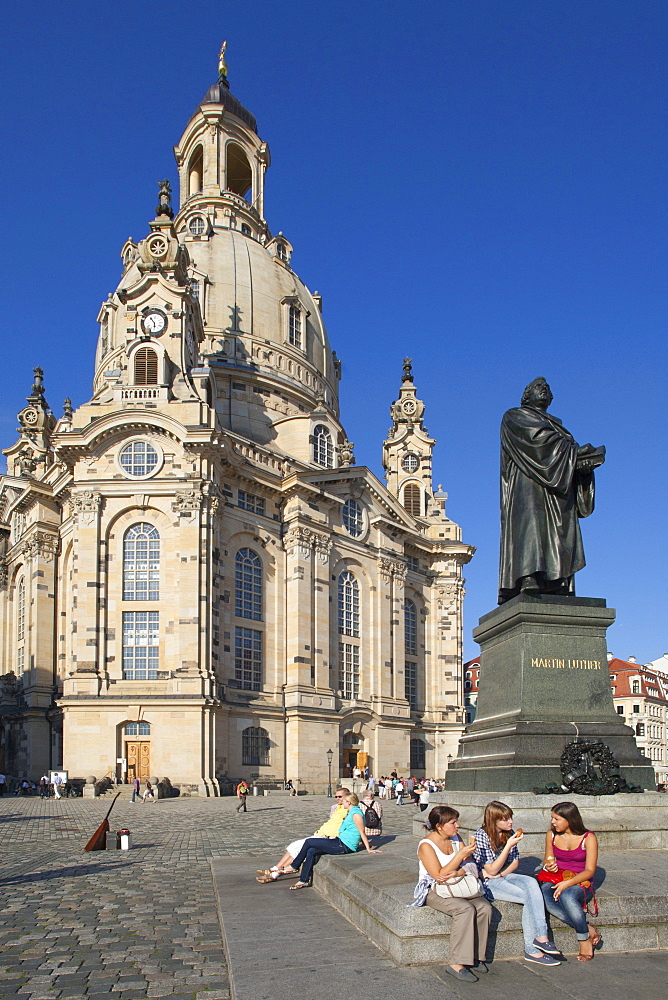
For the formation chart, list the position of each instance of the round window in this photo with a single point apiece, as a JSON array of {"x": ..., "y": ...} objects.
[
  {"x": 139, "y": 459},
  {"x": 196, "y": 225},
  {"x": 410, "y": 462},
  {"x": 353, "y": 518},
  {"x": 157, "y": 246}
]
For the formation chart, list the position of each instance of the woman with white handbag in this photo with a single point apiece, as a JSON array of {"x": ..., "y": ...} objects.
[{"x": 447, "y": 883}]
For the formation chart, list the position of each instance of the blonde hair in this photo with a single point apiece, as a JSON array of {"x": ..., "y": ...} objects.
[{"x": 353, "y": 799}]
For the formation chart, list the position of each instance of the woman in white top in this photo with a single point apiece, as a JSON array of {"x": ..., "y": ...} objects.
[{"x": 440, "y": 854}]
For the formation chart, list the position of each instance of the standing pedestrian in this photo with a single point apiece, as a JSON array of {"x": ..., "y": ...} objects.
[
  {"x": 399, "y": 791},
  {"x": 135, "y": 788},
  {"x": 373, "y": 814},
  {"x": 2, "y": 784},
  {"x": 148, "y": 792},
  {"x": 242, "y": 795},
  {"x": 44, "y": 786},
  {"x": 57, "y": 784}
]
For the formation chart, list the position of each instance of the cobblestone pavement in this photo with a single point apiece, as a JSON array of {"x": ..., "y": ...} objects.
[{"x": 114, "y": 925}]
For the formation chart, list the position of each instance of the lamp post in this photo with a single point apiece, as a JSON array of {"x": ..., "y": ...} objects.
[{"x": 330, "y": 755}]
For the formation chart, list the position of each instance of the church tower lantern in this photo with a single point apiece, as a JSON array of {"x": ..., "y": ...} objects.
[{"x": 407, "y": 450}]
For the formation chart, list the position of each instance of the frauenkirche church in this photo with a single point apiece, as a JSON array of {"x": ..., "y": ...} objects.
[{"x": 196, "y": 580}]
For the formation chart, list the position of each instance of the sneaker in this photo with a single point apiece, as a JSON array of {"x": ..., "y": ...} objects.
[
  {"x": 549, "y": 947},
  {"x": 541, "y": 959},
  {"x": 464, "y": 975}
]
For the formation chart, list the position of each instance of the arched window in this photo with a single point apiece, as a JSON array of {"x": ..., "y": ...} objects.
[
  {"x": 413, "y": 499},
  {"x": 141, "y": 645},
  {"x": 323, "y": 453},
  {"x": 295, "y": 326},
  {"x": 146, "y": 366},
  {"x": 411, "y": 652},
  {"x": 281, "y": 251},
  {"x": 248, "y": 585},
  {"x": 410, "y": 628},
  {"x": 196, "y": 172},
  {"x": 20, "y": 626},
  {"x": 238, "y": 174},
  {"x": 255, "y": 747},
  {"x": 349, "y": 625},
  {"x": 349, "y": 605},
  {"x": 417, "y": 755},
  {"x": 141, "y": 563},
  {"x": 353, "y": 518}
]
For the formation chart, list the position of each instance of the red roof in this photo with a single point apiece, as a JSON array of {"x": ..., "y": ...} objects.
[{"x": 652, "y": 684}]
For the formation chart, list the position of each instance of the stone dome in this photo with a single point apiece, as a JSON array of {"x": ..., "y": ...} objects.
[{"x": 258, "y": 313}]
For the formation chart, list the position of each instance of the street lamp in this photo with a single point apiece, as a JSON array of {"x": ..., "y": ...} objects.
[{"x": 330, "y": 755}]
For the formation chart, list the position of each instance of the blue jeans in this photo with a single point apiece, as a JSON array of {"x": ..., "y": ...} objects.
[
  {"x": 524, "y": 890},
  {"x": 312, "y": 851},
  {"x": 568, "y": 907}
]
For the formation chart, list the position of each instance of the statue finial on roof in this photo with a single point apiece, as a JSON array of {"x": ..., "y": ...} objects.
[
  {"x": 38, "y": 384},
  {"x": 222, "y": 63},
  {"x": 408, "y": 370},
  {"x": 164, "y": 206}
]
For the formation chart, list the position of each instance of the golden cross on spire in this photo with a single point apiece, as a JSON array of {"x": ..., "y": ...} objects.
[{"x": 222, "y": 64}]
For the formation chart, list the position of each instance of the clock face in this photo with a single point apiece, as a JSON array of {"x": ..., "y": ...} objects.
[
  {"x": 192, "y": 348},
  {"x": 154, "y": 322}
]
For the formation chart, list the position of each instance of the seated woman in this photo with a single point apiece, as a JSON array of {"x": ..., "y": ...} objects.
[
  {"x": 497, "y": 858},
  {"x": 570, "y": 847},
  {"x": 441, "y": 853},
  {"x": 351, "y": 832},
  {"x": 330, "y": 828}
]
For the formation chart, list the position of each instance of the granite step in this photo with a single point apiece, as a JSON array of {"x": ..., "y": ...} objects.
[{"x": 372, "y": 891}]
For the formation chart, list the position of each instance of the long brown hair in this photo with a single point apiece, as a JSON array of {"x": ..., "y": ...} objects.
[
  {"x": 570, "y": 812},
  {"x": 494, "y": 811}
]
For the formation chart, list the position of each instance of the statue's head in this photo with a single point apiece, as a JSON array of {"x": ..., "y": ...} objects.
[{"x": 538, "y": 394}]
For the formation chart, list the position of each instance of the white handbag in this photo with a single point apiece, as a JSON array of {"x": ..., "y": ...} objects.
[{"x": 460, "y": 885}]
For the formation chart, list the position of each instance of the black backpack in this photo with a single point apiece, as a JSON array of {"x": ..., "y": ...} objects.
[{"x": 371, "y": 818}]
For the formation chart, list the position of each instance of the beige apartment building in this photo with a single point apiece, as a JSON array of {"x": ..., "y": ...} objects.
[{"x": 196, "y": 579}]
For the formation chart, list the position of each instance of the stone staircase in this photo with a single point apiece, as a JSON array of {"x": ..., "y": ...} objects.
[{"x": 372, "y": 891}]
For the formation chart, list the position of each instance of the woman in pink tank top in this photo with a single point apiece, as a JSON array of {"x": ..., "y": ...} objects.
[{"x": 569, "y": 846}]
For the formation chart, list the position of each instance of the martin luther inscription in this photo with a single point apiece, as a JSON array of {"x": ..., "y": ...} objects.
[{"x": 564, "y": 663}]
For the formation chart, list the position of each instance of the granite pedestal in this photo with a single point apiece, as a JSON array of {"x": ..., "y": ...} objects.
[{"x": 543, "y": 681}]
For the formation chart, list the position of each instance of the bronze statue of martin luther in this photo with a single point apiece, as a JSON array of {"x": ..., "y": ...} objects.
[{"x": 547, "y": 484}]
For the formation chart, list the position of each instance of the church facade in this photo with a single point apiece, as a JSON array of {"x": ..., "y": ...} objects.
[{"x": 196, "y": 580}]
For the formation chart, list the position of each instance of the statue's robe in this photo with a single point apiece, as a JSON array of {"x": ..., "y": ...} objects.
[{"x": 542, "y": 497}]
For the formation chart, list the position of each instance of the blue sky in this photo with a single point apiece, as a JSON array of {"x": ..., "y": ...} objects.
[{"x": 477, "y": 184}]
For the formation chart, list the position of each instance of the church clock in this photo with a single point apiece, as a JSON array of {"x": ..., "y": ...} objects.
[{"x": 154, "y": 322}]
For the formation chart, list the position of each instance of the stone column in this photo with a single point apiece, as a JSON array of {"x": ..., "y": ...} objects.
[
  {"x": 385, "y": 654},
  {"x": 86, "y": 506},
  {"x": 298, "y": 542},
  {"x": 321, "y": 612}
]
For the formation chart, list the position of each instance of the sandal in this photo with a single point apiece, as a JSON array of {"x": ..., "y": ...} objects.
[
  {"x": 300, "y": 885},
  {"x": 265, "y": 871},
  {"x": 263, "y": 879}
]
